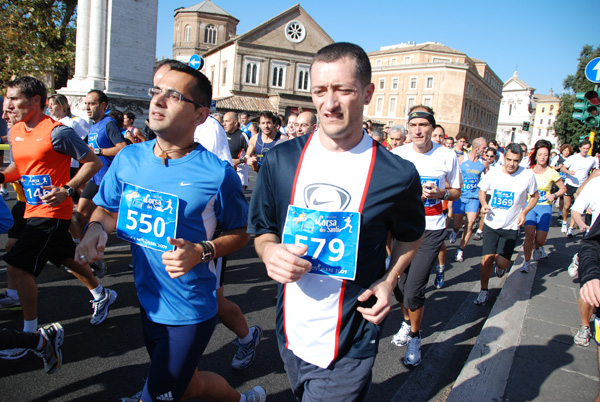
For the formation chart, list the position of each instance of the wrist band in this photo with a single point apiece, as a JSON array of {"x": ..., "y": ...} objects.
[
  {"x": 208, "y": 251},
  {"x": 90, "y": 224}
]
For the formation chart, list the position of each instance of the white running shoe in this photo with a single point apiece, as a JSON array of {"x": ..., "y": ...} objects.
[
  {"x": 564, "y": 227},
  {"x": 401, "y": 337},
  {"x": 536, "y": 255},
  {"x": 246, "y": 353},
  {"x": 459, "y": 256},
  {"x": 573, "y": 269},
  {"x": 543, "y": 254},
  {"x": 525, "y": 267},
  {"x": 101, "y": 306},
  {"x": 256, "y": 394}
]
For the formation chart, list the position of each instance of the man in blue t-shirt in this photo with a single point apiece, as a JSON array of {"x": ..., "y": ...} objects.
[{"x": 167, "y": 196}]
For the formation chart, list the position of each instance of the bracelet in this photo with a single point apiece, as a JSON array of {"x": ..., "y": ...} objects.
[
  {"x": 90, "y": 224},
  {"x": 208, "y": 251}
]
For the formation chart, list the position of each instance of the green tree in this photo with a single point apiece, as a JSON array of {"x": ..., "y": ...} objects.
[
  {"x": 566, "y": 127},
  {"x": 37, "y": 37}
]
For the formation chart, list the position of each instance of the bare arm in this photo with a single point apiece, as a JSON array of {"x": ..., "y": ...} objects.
[
  {"x": 113, "y": 150},
  {"x": 93, "y": 243},
  {"x": 533, "y": 199}
]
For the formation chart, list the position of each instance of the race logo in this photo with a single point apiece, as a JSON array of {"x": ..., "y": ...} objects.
[{"x": 321, "y": 196}]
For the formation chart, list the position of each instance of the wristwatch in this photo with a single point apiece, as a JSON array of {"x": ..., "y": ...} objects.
[
  {"x": 446, "y": 195},
  {"x": 98, "y": 151},
  {"x": 70, "y": 190}
]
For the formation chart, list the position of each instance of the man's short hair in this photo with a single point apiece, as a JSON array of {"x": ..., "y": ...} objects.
[
  {"x": 494, "y": 143},
  {"x": 202, "y": 91},
  {"x": 234, "y": 115},
  {"x": 287, "y": 120},
  {"x": 163, "y": 62},
  {"x": 378, "y": 133},
  {"x": 427, "y": 108},
  {"x": 443, "y": 129},
  {"x": 585, "y": 142},
  {"x": 451, "y": 139},
  {"x": 398, "y": 129},
  {"x": 514, "y": 148},
  {"x": 462, "y": 136},
  {"x": 131, "y": 116},
  {"x": 102, "y": 98},
  {"x": 313, "y": 118},
  {"x": 523, "y": 145},
  {"x": 267, "y": 115},
  {"x": 245, "y": 114},
  {"x": 340, "y": 50},
  {"x": 30, "y": 87}
]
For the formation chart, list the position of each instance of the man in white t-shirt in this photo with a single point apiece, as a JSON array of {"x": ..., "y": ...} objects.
[
  {"x": 509, "y": 185},
  {"x": 438, "y": 168},
  {"x": 577, "y": 167}
]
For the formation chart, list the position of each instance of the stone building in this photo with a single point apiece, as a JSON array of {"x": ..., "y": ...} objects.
[
  {"x": 546, "y": 110},
  {"x": 464, "y": 92},
  {"x": 517, "y": 107},
  {"x": 266, "y": 68}
]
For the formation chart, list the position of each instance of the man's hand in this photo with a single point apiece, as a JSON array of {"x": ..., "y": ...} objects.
[
  {"x": 283, "y": 262},
  {"x": 521, "y": 219},
  {"x": 486, "y": 208},
  {"x": 186, "y": 256},
  {"x": 91, "y": 248},
  {"x": 382, "y": 290},
  {"x": 55, "y": 197},
  {"x": 433, "y": 192},
  {"x": 590, "y": 292}
]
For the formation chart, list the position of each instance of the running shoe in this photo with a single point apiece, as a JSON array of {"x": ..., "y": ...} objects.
[
  {"x": 459, "y": 256},
  {"x": 570, "y": 232},
  {"x": 543, "y": 254},
  {"x": 482, "y": 298},
  {"x": 8, "y": 303},
  {"x": 413, "y": 351},
  {"x": 453, "y": 236},
  {"x": 13, "y": 354},
  {"x": 564, "y": 227},
  {"x": 246, "y": 353},
  {"x": 536, "y": 255},
  {"x": 401, "y": 337},
  {"x": 51, "y": 352},
  {"x": 478, "y": 235},
  {"x": 101, "y": 306},
  {"x": 133, "y": 398},
  {"x": 5, "y": 195},
  {"x": 525, "y": 267},
  {"x": 99, "y": 268},
  {"x": 256, "y": 394},
  {"x": 573, "y": 269},
  {"x": 438, "y": 282},
  {"x": 499, "y": 271},
  {"x": 583, "y": 336}
]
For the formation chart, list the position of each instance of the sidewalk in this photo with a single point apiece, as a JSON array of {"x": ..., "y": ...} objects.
[{"x": 525, "y": 350}]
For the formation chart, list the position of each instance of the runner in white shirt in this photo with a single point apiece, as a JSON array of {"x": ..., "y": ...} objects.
[
  {"x": 577, "y": 167},
  {"x": 510, "y": 185},
  {"x": 438, "y": 167}
]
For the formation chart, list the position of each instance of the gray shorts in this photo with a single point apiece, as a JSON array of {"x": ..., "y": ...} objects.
[{"x": 347, "y": 379}]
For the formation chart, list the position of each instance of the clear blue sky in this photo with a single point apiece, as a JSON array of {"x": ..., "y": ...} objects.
[{"x": 541, "y": 39}]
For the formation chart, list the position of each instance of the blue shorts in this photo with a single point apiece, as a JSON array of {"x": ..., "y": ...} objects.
[
  {"x": 540, "y": 217},
  {"x": 175, "y": 351},
  {"x": 463, "y": 205}
]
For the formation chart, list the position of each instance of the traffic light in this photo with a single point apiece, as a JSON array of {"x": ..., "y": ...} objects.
[
  {"x": 526, "y": 126},
  {"x": 588, "y": 111}
]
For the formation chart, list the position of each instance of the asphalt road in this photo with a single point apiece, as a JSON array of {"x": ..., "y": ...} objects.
[{"x": 107, "y": 362}]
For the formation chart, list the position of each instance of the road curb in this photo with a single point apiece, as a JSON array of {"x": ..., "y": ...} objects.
[{"x": 485, "y": 374}]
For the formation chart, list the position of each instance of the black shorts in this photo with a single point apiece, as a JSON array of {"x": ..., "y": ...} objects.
[
  {"x": 571, "y": 190},
  {"x": 42, "y": 240},
  {"x": 90, "y": 190},
  {"x": 499, "y": 241},
  {"x": 17, "y": 211}
]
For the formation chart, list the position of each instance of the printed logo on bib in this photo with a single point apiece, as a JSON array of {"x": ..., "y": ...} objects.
[
  {"x": 469, "y": 185},
  {"x": 436, "y": 180},
  {"x": 147, "y": 217},
  {"x": 543, "y": 196},
  {"x": 503, "y": 199},
  {"x": 331, "y": 237},
  {"x": 32, "y": 186},
  {"x": 93, "y": 140}
]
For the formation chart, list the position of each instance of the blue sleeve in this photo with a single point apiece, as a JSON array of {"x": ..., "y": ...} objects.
[
  {"x": 113, "y": 133},
  {"x": 6, "y": 219},
  {"x": 263, "y": 208},
  {"x": 109, "y": 193},
  {"x": 231, "y": 206}
]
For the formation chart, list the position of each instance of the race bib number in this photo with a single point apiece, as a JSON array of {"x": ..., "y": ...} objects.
[
  {"x": 331, "y": 237},
  {"x": 469, "y": 185},
  {"x": 562, "y": 175},
  {"x": 93, "y": 140},
  {"x": 503, "y": 199},
  {"x": 543, "y": 196},
  {"x": 436, "y": 180},
  {"x": 32, "y": 187},
  {"x": 147, "y": 217}
]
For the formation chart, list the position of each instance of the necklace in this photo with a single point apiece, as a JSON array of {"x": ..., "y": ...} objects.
[{"x": 165, "y": 152}]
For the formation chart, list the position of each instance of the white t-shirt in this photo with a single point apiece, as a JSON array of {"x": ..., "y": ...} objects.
[
  {"x": 582, "y": 167},
  {"x": 211, "y": 135},
  {"x": 439, "y": 165},
  {"x": 509, "y": 195},
  {"x": 588, "y": 199},
  {"x": 69, "y": 122}
]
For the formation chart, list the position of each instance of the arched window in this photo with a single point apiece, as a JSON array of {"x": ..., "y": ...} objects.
[
  {"x": 210, "y": 34},
  {"x": 187, "y": 33}
]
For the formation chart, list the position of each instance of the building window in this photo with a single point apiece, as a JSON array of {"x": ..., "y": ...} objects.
[
  {"x": 410, "y": 103},
  {"x": 390, "y": 123},
  {"x": 224, "y": 75},
  {"x": 392, "y": 108},
  {"x": 413, "y": 82},
  {"x": 379, "y": 106},
  {"x": 429, "y": 82},
  {"x": 212, "y": 74},
  {"x": 303, "y": 80},
  {"x": 543, "y": 110},
  {"x": 394, "y": 61},
  {"x": 510, "y": 109},
  {"x": 382, "y": 83},
  {"x": 278, "y": 75},
  {"x": 427, "y": 101},
  {"x": 378, "y": 63},
  {"x": 187, "y": 33},
  {"x": 252, "y": 71},
  {"x": 210, "y": 34},
  {"x": 395, "y": 83},
  {"x": 295, "y": 31},
  {"x": 407, "y": 59}
]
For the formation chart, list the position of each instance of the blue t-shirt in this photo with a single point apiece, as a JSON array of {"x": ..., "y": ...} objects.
[
  {"x": 209, "y": 192},
  {"x": 104, "y": 134},
  {"x": 471, "y": 174}
]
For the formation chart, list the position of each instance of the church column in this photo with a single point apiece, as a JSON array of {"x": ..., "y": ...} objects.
[
  {"x": 83, "y": 39},
  {"x": 97, "y": 40}
]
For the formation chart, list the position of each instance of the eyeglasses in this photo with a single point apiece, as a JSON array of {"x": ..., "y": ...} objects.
[
  {"x": 172, "y": 95},
  {"x": 491, "y": 156}
]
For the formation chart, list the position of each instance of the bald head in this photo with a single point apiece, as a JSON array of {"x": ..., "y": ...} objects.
[
  {"x": 230, "y": 122},
  {"x": 306, "y": 123}
]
